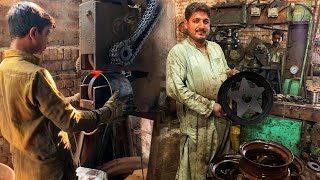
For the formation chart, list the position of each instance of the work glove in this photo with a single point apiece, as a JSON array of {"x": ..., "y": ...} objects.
[{"x": 114, "y": 107}]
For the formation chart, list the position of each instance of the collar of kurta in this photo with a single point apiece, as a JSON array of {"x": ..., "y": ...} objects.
[
  {"x": 24, "y": 55},
  {"x": 192, "y": 44}
]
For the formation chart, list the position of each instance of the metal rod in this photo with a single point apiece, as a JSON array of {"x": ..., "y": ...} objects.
[
  {"x": 78, "y": 150},
  {"x": 311, "y": 41}
]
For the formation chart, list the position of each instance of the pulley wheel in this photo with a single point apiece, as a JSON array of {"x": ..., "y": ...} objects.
[{"x": 246, "y": 98}]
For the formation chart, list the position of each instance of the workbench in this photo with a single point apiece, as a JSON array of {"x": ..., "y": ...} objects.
[
  {"x": 305, "y": 112},
  {"x": 283, "y": 125}
]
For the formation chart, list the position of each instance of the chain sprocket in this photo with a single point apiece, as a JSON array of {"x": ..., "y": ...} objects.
[{"x": 123, "y": 53}]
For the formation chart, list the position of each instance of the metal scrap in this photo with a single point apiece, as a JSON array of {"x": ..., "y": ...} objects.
[{"x": 289, "y": 98}]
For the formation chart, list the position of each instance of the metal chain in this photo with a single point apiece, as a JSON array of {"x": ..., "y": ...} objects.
[
  {"x": 124, "y": 52},
  {"x": 146, "y": 33}
]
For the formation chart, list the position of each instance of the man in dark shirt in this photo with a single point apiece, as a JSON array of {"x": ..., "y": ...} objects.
[{"x": 34, "y": 114}]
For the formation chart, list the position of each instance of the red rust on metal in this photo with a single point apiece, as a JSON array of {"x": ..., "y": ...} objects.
[{"x": 265, "y": 160}]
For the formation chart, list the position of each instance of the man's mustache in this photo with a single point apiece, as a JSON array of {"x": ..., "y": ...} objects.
[{"x": 201, "y": 30}]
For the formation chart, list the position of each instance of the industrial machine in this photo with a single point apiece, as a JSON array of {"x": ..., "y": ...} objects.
[
  {"x": 290, "y": 113},
  {"x": 229, "y": 19},
  {"x": 111, "y": 34}
]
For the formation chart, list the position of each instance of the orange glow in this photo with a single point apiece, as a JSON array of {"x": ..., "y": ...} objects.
[{"x": 96, "y": 72}]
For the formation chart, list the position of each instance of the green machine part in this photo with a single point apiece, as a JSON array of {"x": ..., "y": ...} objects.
[
  {"x": 300, "y": 12},
  {"x": 277, "y": 129},
  {"x": 290, "y": 87}
]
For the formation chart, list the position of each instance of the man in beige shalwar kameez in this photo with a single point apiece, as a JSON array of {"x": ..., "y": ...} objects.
[{"x": 195, "y": 70}]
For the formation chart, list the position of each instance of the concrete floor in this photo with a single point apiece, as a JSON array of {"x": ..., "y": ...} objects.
[{"x": 168, "y": 154}]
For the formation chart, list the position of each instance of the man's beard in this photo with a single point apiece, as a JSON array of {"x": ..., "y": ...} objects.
[{"x": 201, "y": 40}]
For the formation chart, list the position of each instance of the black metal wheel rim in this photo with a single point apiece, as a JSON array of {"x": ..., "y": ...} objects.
[{"x": 246, "y": 98}]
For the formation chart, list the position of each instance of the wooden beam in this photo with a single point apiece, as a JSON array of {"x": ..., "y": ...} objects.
[{"x": 306, "y": 112}]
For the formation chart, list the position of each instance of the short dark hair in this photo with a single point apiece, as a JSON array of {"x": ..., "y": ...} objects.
[
  {"x": 196, "y": 6},
  {"x": 25, "y": 15},
  {"x": 278, "y": 32}
]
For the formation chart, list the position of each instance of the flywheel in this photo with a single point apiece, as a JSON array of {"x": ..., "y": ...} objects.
[{"x": 246, "y": 98}]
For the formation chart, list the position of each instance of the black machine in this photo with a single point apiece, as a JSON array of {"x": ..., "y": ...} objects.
[{"x": 111, "y": 34}]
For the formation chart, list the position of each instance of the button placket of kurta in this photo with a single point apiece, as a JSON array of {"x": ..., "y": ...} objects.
[{"x": 203, "y": 125}]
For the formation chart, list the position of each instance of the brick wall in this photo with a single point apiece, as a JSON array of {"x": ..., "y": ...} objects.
[
  {"x": 65, "y": 12},
  {"x": 60, "y": 62},
  {"x": 5, "y": 155},
  {"x": 60, "y": 56},
  {"x": 245, "y": 35}
]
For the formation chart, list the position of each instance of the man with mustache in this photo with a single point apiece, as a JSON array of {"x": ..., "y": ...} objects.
[{"x": 195, "y": 70}]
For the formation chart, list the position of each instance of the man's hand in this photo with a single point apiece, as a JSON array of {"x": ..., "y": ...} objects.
[
  {"x": 217, "y": 111},
  {"x": 232, "y": 72},
  {"x": 116, "y": 107}
]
